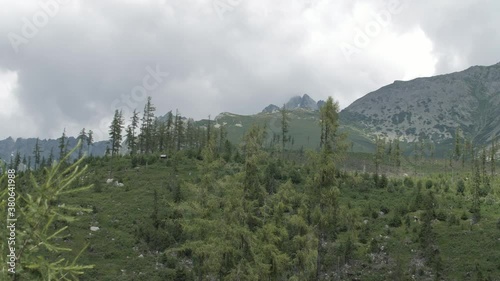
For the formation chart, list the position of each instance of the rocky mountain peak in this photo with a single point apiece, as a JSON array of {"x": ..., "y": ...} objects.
[{"x": 296, "y": 102}]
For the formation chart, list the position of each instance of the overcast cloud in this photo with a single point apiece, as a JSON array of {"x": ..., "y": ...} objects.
[{"x": 86, "y": 58}]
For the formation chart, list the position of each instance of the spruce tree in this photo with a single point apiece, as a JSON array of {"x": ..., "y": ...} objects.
[
  {"x": 493, "y": 152},
  {"x": 82, "y": 139},
  {"x": 50, "y": 160},
  {"x": 148, "y": 117},
  {"x": 285, "y": 120},
  {"x": 37, "y": 152},
  {"x": 457, "y": 151},
  {"x": 379, "y": 153},
  {"x": 179, "y": 130},
  {"x": 323, "y": 191},
  {"x": 169, "y": 133},
  {"x": 90, "y": 141},
  {"x": 397, "y": 153},
  {"x": 62, "y": 145},
  {"x": 115, "y": 133},
  {"x": 161, "y": 135},
  {"x": 476, "y": 189},
  {"x": 131, "y": 133},
  {"x": 17, "y": 160}
]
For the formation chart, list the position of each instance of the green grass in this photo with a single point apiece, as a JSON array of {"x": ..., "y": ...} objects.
[{"x": 119, "y": 210}]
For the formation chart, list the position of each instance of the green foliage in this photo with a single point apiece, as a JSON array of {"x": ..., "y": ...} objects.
[
  {"x": 429, "y": 184},
  {"x": 44, "y": 221},
  {"x": 395, "y": 221},
  {"x": 461, "y": 187}
]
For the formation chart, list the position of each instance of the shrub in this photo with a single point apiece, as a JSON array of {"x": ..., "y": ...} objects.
[
  {"x": 384, "y": 209},
  {"x": 383, "y": 181},
  {"x": 460, "y": 187},
  {"x": 408, "y": 182},
  {"x": 453, "y": 220},
  {"x": 441, "y": 216},
  {"x": 395, "y": 221},
  {"x": 428, "y": 184},
  {"x": 464, "y": 216}
]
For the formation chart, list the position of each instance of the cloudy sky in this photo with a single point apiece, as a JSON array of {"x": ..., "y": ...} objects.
[{"x": 71, "y": 63}]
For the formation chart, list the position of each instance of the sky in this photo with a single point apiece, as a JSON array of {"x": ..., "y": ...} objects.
[{"x": 69, "y": 64}]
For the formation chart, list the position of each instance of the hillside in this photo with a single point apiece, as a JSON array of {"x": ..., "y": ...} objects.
[{"x": 433, "y": 107}]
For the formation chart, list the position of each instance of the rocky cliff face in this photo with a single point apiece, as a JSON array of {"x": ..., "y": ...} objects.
[{"x": 433, "y": 107}]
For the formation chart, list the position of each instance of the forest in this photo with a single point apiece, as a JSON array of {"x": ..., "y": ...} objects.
[{"x": 176, "y": 200}]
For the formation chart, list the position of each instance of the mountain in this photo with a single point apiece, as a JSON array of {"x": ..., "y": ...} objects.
[
  {"x": 297, "y": 102},
  {"x": 433, "y": 107},
  {"x": 271, "y": 109}
]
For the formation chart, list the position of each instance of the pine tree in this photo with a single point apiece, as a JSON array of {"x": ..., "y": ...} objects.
[
  {"x": 62, "y": 145},
  {"x": 285, "y": 120},
  {"x": 162, "y": 135},
  {"x": 476, "y": 189},
  {"x": 17, "y": 160},
  {"x": 29, "y": 163},
  {"x": 11, "y": 163},
  {"x": 190, "y": 134},
  {"x": 323, "y": 192},
  {"x": 169, "y": 132},
  {"x": 155, "y": 138},
  {"x": 115, "y": 133},
  {"x": 145, "y": 137},
  {"x": 379, "y": 153},
  {"x": 179, "y": 130},
  {"x": 483, "y": 165},
  {"x": 82, "y": 139},
  {"x": 43, "y": 163},
  {"x": 222, "y": 137},
  {"x": 493, "y": 153},
  {"x": 131, "y": 133},
  {"x": 209, "y": 128},
  {"x": 47, "y": 223},
  {"x": 458, "y": 151},
  {"x": 50, "y": 160},
  {"x": 90, "y": 141},
  {"x": 37, "y": 152},
  {"x": 397, "y": 153}
]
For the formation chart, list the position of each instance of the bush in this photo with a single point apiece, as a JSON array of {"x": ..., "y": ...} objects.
[
  {"x": 453, "y": 220},
  {"x": 429, "y": 184},
  {"x": 383, "y": 181},
  {"x": 402, "y": 210},
  {"x": 395, "y": 221},
  {"x": 384, "y": 209},
  {"x": 408, "y": 182},
  {"x": 441, "y": 216},
  {"x": 460, "y": 187},
  {"x": 464, "y": 216}
]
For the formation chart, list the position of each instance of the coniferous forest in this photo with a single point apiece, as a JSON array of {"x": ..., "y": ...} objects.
[{"x": 176, "y": 200}]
